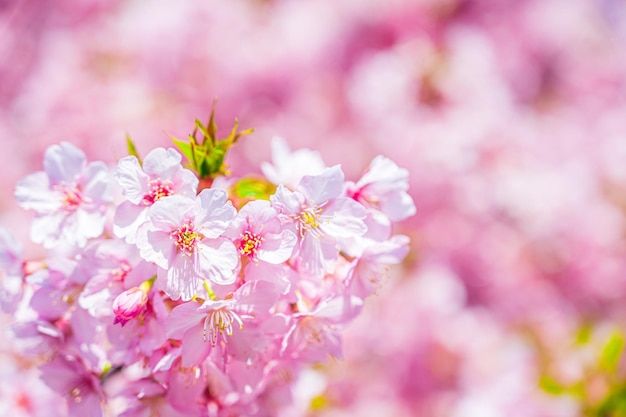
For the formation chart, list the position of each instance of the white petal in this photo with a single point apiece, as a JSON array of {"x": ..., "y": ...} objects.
[
  {"x": 323, "y": 187},
  {"x": 63, "y": 163},
  {"x": 276, "y": 249},
  {"x": 132, "y": 179},
  {"x": 219, "y": 260}
]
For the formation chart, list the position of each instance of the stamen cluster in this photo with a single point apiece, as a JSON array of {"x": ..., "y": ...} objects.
[{"x": 185, "y": 238}]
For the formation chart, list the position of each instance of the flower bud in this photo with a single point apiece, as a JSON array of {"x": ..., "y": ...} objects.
[{"x": 129, "y": 304}]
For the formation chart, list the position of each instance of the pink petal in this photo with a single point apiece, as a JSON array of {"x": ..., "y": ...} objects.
[
  {"x": 256, "y": 297},
  {"x": 276, "y": 249},
  {"x": 162, "y": 163},
  {"x": 182, "y": 318},
  {"x": 215, "y": 212},
  {"x": 132, "y": 179},
  {"x": 127, "y": 219},
  {"x": 343, "y": 217},
  {"x": 195, "y": 347},
  {"x": 323, "y": 187},
  {"x": 155, "y": 245},
  {"x": 183, "y": 277},
  {"x": 33, "y": 193},
  {"x": 219, "y": 260},
  {"x": 63, "y": 163}
]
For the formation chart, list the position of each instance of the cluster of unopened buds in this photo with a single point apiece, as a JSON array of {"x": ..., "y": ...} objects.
[{"x": 181, "y": 290}]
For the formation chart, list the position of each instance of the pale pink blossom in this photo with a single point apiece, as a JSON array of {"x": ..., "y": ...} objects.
[
  {"x": 141, "y": 335},
  {"x": 371, "y": 269},
  {"x": 159, "y": 175},
  {"x": 70, "y": 197},
  {"x": 384, "y": 187},
  {"x": 146, "y": 398},
  {"x": 315, "y": 334},
  {"x": 224, "y": 323},
  {"x": 77, "y": 384},
  {"x": 259, "y": 235},
  {"x": 184, "y": 238},
  {"x": 321, "y": 216},
  {"x": 112, "y": 266},
  {"x": 288, "y": 167}
]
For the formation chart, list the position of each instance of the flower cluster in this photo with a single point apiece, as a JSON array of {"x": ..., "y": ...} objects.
[{"x": 167, "y": 294}]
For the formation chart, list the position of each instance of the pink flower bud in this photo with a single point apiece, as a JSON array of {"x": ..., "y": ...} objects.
[{"x": 129, "y": 304}]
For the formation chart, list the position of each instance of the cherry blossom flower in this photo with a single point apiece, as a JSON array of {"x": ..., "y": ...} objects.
[
  {"x": 321, "y": 216},
  {"x": 384, "y": 187},
  {"x": 110, "y": 265},
  {"x": 218, "y": 322},
  {"x": 140, "y": 335},
  {"x": 289, "y": 167},
  {"x": 184, "y": 238},
  {"x": 70, "y": 197},
  {"x": 81, "y": 388},
  {"x": 258, "y": 234},
  {"x": 370, "y": 269},
  {"x": 146, "y": 397},
  {"x": 160, "y": 175},
  {"x": 317, "y": 333}
]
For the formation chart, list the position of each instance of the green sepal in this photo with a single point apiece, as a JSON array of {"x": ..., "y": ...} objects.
[
  {"x": 183, "y": 147},
  {"x": 206, "y": 154},
  {"x": 132, "y": 149}
]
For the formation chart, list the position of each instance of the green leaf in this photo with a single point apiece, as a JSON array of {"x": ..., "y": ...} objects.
[
  {"x": 551, "y": 386},
  {"x": 611, "y": 352},
  {"x": 584, "y": 334},
  {"x": 196, "y": 154}
]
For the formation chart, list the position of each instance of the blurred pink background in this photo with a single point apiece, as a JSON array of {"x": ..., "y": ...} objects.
[{"x": 509, "y": 115}]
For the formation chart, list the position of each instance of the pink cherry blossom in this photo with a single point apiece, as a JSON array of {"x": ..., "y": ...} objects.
[
  {"x": 317, "y": 333},
  {"x": 141, "y": 335},
  {"x": 321, "y": 216},
  {"x": 259, "y": 235},
  {"x": 80, "y": 387},
  {"x": 159, "y": 175},
  {"x": 372, "y": 267},
  {"x": 384, "y": 186},
  {"x": 111, "y": 267},
  {"x": 70, "y": 197},
  {"x": 289, "y": 167},
  {"x": 220, "y": 323},
  {"x": 145, "y": 398},
  {"x": 184, "y": 238}
]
